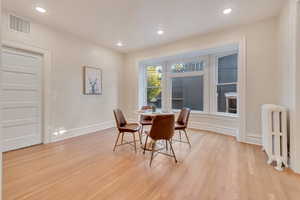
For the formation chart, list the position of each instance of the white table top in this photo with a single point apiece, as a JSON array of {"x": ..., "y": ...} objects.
[{"x": 147, "y": 113}]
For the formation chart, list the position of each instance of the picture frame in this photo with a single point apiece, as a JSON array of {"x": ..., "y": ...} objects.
[{"x": 92, "y": 81}]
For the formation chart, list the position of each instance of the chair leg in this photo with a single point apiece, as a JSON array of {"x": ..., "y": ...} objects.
[
  {"x": 152, "y": 153},
  {"x": 133, "y": 134},
  {"x": 122, "y": 138},
  {"x": 145, "y": 144},
  {"x": 166, "y": 145},
  {"x": 187, "y": 138},
  {"x": 173, "y": 151},
  {"x": 140, "y": 137},
  {"x": 179, "y": 135},
  {"x": 116, "y": 141}
]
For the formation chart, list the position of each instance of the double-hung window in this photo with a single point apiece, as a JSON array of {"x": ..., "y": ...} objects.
[
  {"x": 187, "y": 83},
  {"x": 205, "y": 83},
  {"x": 226, "y": 82}
]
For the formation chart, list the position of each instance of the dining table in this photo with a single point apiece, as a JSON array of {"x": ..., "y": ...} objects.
[{"x": 151, "y": 113}]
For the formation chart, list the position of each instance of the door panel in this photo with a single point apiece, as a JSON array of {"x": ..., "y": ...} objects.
[
  {"x": 21, "y": 99},
  {"x": 18, "y": 58},
  {"x": 21, "y": 128},
  {"x": 19, "y": 78},
  {"x": 13, "y": 113}
]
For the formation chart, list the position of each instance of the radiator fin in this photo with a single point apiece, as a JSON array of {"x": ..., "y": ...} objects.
[{"x": 274, "y": 130}]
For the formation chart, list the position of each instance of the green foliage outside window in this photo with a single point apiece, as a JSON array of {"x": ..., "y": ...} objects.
[{"x": 154, "y": 76}]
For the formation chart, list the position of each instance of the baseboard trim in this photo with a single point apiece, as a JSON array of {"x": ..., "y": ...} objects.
[
  {"x": 254, "y": 139},
  {"x": 82, "y": 131},
  {"x": 251, "y": 138},
  {"x": 214, "y": 128},
  {"x": 295, "y": 169}
]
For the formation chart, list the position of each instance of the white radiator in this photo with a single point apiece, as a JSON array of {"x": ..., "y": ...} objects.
[{"x": 274, "y": 130}]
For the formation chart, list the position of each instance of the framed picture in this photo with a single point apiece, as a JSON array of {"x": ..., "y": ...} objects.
[{"x": 92, "y": 81}]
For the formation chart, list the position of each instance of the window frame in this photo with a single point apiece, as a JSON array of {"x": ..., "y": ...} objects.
[
  {"x": 215, "y": 83},
  {"x": 210, "y": 79},
  {"x": 203, "y": 73},
  {"x": 145, "y": 87}
]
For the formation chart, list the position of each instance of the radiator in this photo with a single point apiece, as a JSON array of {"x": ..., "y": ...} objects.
[{"x": 274, "y": 130}]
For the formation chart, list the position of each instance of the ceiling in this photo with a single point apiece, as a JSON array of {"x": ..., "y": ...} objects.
[{"x": 135, "y": 22}]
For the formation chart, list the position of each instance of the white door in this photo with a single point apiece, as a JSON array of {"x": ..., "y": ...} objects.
[{"x": 21, "y": 99}]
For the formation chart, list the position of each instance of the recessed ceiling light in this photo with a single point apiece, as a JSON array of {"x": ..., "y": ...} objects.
[
  {"x": 227, "y": 11},
  {"x": 40, "y": 9},
  {"x": 160, "y": 32},
  {"x": 119, "y": 44}
]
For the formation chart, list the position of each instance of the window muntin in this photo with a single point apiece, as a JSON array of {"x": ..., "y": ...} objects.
[
  {"x": 227, "y": 70},
  {"x": 154, "y": 89},
  {"x": 187, "y": 67},
  {"x": 188, "y": 92}
]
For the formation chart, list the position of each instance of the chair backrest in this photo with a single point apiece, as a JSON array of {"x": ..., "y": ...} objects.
[
  {"x": 143, "y": 117},
  {"x": 162, "y": 127},
  {"x": 146, "y": 108},
  {"x": 119, "y": 117},
  {"x": 183, "y": 118}
]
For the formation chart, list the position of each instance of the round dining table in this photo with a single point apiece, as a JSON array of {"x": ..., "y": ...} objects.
[
  {"x": 150, "y": 113},
  {"x": 153, "y": 114}
]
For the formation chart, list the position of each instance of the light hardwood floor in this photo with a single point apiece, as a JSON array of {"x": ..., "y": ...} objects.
[{"x": 84, "y": 168}]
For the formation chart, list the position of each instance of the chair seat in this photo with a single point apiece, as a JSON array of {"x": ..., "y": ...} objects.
[
  {"x": 132, "y": 127},
  {"x": 146, "y": 122},
  {"x": 179, "y": 126}
]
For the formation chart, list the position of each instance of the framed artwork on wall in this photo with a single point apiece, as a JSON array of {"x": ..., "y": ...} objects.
[{"x": 92, "y": 81}]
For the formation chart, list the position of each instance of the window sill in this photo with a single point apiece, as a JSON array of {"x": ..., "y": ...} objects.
[
  {"x": 226, "y": 115},
  {"x": 202, "y": 113}
]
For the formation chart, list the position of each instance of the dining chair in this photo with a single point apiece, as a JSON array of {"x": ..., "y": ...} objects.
[
  {"x": 124, "y": 127},
  {"x": 144, "y": 119},
  {"x": 181, "y": 124},
  {"x": 161, "y": 129}
]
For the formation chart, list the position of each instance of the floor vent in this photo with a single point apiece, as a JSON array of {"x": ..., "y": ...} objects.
[{"x": 19, "y": 24}]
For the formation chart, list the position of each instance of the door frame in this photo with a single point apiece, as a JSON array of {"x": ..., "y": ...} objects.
[
  {"x": 46, "y": 84},
  {"x": 295, "y": 163}
]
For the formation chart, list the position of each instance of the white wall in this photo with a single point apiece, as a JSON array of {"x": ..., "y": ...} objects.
[
  {"x": 289, "y": 71},
  {"x": 1, "y": 165},
  {"x": 296, "y": 134},
  {"x": 285, "y": 58},
  {"x": 261, "y": 69},
  {"x": 71, "y": 110}
]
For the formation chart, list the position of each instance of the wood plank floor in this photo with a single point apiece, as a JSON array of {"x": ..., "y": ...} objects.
[{"x": 85, "y": 168}]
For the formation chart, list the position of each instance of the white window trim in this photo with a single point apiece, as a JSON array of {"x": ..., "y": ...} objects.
[
  {"x": 241, "y": 90},
  {"x": 142, "y": 85}
]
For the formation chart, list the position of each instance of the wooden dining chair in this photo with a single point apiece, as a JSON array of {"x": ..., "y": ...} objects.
[
  {"x": 181, "y": 124},
  {"x": 162, "y": 129},
  {"x": 124, "y": 127},
  {"x": 144, "y": 119}
]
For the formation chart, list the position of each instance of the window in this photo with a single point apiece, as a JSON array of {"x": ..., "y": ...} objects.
[
  {"x": 154, "y": 77},
  {"x": 187, "y": 84},
  {"x": 227, "y": 83},
  {"x": 187, "y": 92},
  {"x": 206, "y": 83}
]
